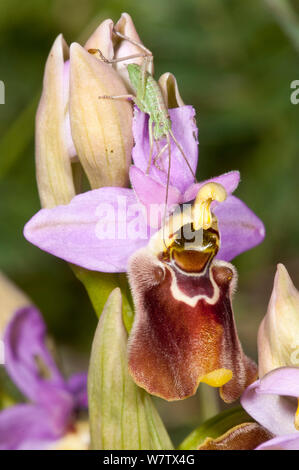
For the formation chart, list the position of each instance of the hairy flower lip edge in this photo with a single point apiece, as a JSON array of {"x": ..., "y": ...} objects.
[
  {"x": 251, "y": 435},
  {"x": 154, "y": 363}
]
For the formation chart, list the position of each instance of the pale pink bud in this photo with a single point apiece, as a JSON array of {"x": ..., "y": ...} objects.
[
  {"x": 73, "y": 125},
  {"x": 52, "y": 142},
  {"x": 170, "y": 90},
  {"x": 125, "y": 48},
  {"x": 278, "y": 337},
  {"x": 101, "y": 128}
]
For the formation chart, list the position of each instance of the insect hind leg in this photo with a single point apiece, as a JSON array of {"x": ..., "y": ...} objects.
[
  {"x": 159, "y": 155},
  {"x": 151, "y": 141},
  {"x": 132, "y": 41},
  {"x": 146, "y": 52},
  {"x": 117, "y": 97}
]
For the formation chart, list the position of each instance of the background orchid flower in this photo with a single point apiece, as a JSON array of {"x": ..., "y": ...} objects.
[
  {"x": 11, "y": 299},
  {"x": 54, "y": 402},
  {"x": 278, "y": 336},
  {"x": 100, "y": 229},
  {"x": 273, "y": 400}
]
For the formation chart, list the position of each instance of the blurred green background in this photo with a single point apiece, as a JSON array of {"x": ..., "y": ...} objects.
[{"x": 234, "y": 61}]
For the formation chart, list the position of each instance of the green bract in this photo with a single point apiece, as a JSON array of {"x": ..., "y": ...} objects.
[{"x": 122, "y": 416}]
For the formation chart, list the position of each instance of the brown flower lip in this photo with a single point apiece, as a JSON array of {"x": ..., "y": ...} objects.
[{"x": 184, "y": 331}]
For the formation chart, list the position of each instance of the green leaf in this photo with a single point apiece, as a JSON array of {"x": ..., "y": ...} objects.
[
  {"x": 285, "y": 15},
  {"x": 122, "y": 416},
  {"x": 6, "y": 400},
  {"x": 17, "y": 138},
  {"x": 215, "y": 427},
  {"x": 100, "y": 285}
]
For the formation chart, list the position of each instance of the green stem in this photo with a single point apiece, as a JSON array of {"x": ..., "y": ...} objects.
[
  {"x": 287, "y": 18},
  {"x": 209, "y": 401},
  {"x": 100, "y": 285},
  {"x": 17, "y": 138}
]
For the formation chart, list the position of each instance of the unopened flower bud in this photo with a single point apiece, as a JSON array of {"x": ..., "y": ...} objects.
[
  {"x": 123, "y": 48},
  {"x": 102, "y": 39},
  {"x": 101, "y": 128},
  {"x": 74, "y": 125},
  {"x": 53, "y": 162},
  {"x": 170, "y": 90},
  {"x": 278, "y": 338}
]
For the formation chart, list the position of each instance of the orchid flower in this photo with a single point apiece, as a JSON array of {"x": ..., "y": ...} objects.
[
  {"x": 11, "y": 300},
  {"x": 184, "y": 331},
  {"x": 273, "y": 400},
  {"x": 106, "y": 230},
  {"x": 101, "y": 229},
  {"x": 49, "y": 420}
]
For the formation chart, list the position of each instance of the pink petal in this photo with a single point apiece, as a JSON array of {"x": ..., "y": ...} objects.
[
  {"x": 26, "y": 355},
  {"x": 282, "y": 381},
  {"x": 98, "y": 230},
  {"x": 26, "y": 427},
  {"x": 288, "y": 442},
  {"x": 185, "y": 131},
  {"x": 33, "y": 370},
  {"x": 229, "y": 181},
  {"x": 273, "y": 412},
  {"x": 240, "y": 229},
  {"x": 152, "y": 195},
  {"x": 77, "y": 385}
]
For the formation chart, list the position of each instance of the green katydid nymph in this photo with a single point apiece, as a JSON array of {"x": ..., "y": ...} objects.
[{"x": 150, "y": 100}]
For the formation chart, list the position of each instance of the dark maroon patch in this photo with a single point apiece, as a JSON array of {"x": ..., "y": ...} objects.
[{"x": 174, "y": 345}]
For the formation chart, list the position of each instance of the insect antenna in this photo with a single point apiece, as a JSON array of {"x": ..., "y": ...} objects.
[
  {"x": 167, "y": 187},
  {"x": 147, "y": 53},
  {"x": 183, "y": 153},
  {"x": 132, "y": 41}
]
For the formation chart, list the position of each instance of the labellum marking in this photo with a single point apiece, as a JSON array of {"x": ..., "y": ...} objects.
[{"x": 184, "y": 330}]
